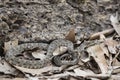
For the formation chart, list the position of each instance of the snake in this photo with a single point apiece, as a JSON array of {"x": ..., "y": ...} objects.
[
  {"x": 69, "y": 58},
  {"x": 13, "y": 55},
  {"x": 59, "y": 59}
]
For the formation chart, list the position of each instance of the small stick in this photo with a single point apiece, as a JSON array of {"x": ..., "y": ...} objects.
[
  {"x": 105, "y": 32},
  {"x": 116, "y": 56}
]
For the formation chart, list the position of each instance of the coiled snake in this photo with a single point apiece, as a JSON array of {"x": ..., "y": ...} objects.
[{"x": 14, "y": 58}]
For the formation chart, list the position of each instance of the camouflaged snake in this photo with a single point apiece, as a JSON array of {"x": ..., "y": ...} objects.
[{"x": 11, "y": 54}]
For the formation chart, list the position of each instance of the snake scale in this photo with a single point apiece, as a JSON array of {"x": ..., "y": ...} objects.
[{"x": 11, "y": 54}]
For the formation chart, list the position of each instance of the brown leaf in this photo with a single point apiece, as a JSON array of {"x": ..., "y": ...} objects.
[
  {"x": 111, "y": 44},
  {"x": 71, "y": 35},
  {"x": 98, "y": 54}
]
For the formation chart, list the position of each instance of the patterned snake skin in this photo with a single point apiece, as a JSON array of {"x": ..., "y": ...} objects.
[
  {"x": 62, "y": 58},
  {"x": 32, "y": 1},
  {"x": 69, "y": 58},
  {"x": 14, "y": 58},
  {"x": 18, "y": 61},
  {"x": 57, "y": 43}
]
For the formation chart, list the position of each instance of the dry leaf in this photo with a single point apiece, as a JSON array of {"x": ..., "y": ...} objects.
[
  {"x": 111, "y": 45},
  {"x": 71, "y": 35},
  {"x": 116, "y": 70},
  {"x": 27, "y": 55},
  {"x": 72, "y": 67},
  {"x": 104, "y": 49},
  {"x": 54, "y": 79},
  {"x": 61, "y": 75},
  {"x": 60, "y": 50},
  {"x": 6, "y": 68},
  {"x": 98, "y": 54},
  {"x": 89, "y": 75},
  {"x": 82, "y": 73},
  {"x": 72, "y": 78},
  {"x": 31, "y": 77},
  {"x": 95, "y": 79},
  {"x": 102, "y": 37},
  {"x": 115, "y": 22},
  {"x": 40, "y": 55},
  {"x": 116, "y": 63}
]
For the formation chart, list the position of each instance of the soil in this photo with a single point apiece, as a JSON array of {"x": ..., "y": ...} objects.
[
  {"x": 33, "y": 21},
  {"x": 48, "y": 20}
]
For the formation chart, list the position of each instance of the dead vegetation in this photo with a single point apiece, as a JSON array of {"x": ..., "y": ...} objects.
[{"x": 91, "y": 27}]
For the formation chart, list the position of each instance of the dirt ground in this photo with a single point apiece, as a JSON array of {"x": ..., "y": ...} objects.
[{"x": 47, "y": 20}]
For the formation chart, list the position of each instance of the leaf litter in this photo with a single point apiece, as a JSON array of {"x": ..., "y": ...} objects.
[{"x": 99, "y": 59}]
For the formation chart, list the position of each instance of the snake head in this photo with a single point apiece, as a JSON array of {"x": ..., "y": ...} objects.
[{"x": 69, "y": 58}]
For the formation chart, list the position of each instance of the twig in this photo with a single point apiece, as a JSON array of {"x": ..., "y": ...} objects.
[
  {"x": 115, "y": 56},
  {"x": 99, "y": 76},
  {"x": 105, "y": 32}
]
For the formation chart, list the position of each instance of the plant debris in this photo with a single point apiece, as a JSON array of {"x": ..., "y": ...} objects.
[{"x": 89, "y": 29}]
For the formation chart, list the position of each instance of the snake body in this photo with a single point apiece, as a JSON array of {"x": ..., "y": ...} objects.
[
  {"x": 59, "y": 59},
  {"x": 13, "y": 58},
  {"x": 57, "y": 43},
  {"x": 69, "y": 58},
  {"x": 31, "y": 1},
  {"x": 33, "y": 64}
]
